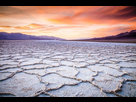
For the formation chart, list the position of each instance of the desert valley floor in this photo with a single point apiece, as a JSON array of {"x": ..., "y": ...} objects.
[{"x": 67, "y": 69}]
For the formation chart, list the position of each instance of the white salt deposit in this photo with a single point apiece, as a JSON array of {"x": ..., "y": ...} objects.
[{"x": 67, "y": 69}]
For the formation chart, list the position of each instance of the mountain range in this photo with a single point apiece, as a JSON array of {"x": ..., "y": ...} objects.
[
  {"x": 126, "y": 35},
  {"x": 121, "y": 36},
  {"x": 20, "y": 36}
]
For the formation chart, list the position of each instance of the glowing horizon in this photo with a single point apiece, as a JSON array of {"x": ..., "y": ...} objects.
[{"x": 68, "y": 22}]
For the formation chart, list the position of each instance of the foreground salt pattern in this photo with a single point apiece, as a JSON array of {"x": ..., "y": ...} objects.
[{"x": 67, "y": 69}]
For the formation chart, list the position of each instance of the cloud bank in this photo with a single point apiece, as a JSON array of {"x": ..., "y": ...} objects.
[{"x": 69, "y": 22}]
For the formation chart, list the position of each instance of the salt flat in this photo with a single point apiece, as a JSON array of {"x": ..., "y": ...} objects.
[{"x": 67, "y": 69}]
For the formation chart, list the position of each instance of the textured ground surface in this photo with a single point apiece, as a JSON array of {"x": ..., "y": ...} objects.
[{"x": 67, "y": 69}]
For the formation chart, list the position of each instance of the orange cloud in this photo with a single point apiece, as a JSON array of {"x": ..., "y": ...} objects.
[
  {"x": 23, "y": 27},
  {"x": 34, "y": 25},
  {"x": 110, "y": 31},
  {"x": 5, "y": 27},
  {"x": 1, "y": 31},
  {"x": 68, "y": 21},
  {"x": 97, "y": 15},
  {"x": 31, "y": 26},
  {"x": 63, "y": 20}
]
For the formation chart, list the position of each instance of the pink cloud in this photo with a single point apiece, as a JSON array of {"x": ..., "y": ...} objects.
[{"x": 71, "y": 19}]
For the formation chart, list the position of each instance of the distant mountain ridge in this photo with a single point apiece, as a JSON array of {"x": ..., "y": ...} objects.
[
  {"x": 20, "y": 36},
  {"x": 126, "y": 35}
]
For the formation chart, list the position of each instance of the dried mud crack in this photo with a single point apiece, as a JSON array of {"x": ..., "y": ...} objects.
[{"x": 67, "y": 69}]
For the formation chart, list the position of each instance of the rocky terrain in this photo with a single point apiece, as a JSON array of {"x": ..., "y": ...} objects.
[{"x": 67, "y": 69}]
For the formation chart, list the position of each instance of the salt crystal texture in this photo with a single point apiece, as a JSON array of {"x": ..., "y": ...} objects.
[{"x": 46, "y": 68}]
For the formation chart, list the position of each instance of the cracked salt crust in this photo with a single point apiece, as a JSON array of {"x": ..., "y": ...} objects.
[
  {"x": 100, "y": 68},
  {"x": 80, "y": 65},
  {"x": 40, "y": 72},
  {"x": 114, "y": 66},
  {"x": 21, "y": 84},
  {"x": 63, "y": 71},
  {"x": 7, "y": 66},
  {"x": 36, "y": 66},
  {"x": 54, "y": 78},
  {"x": 58, "y": 57},
  {"x": 127, "y": 64},
  {"x": 81, "y": 90},
  {"x": 129, "y": 78},
  {"x": 106, "y": 61},
  {"x": 129, "y": 70},
  {"x": 67, "y": 69},
  {"x": 108, "y": 83},
  {"x": 4, "y": 76},
  {"x": 92, "y": 61},
  {"x": 128, "y": 89},
  {"x": 85, "y": 74},
  {"x": 67, "y": 63},
  {"x": 48, "y": 61},
  {"x": 11, "y": 70},
  {"x": 29, "y": 62},
  {"x": 5, "y": 62}
]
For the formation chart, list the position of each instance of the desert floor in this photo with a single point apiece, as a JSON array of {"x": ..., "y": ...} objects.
[{"x": 67, "y": 69}]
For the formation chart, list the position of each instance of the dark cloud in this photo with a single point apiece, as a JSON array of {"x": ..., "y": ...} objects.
[
  {"x": 126, "y": 13},
  {"x": 130, "y": 8},
  {"x": 9, "y": 11},
  {"x": 106, "y": 14}
]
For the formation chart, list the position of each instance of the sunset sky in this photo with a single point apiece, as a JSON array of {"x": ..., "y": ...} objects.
[{"x": 68, "y": 22}]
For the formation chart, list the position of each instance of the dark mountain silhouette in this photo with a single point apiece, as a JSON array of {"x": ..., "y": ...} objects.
[
  {"x": 20, "y": 36},
  {"x": 121, "y": 36},
  {"x": 126, "y": 35}
]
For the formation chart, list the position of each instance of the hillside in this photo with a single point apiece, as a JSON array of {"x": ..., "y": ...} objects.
[
  {"x": 20, "y": 36},
  {"x": 126, "y": 37}
]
